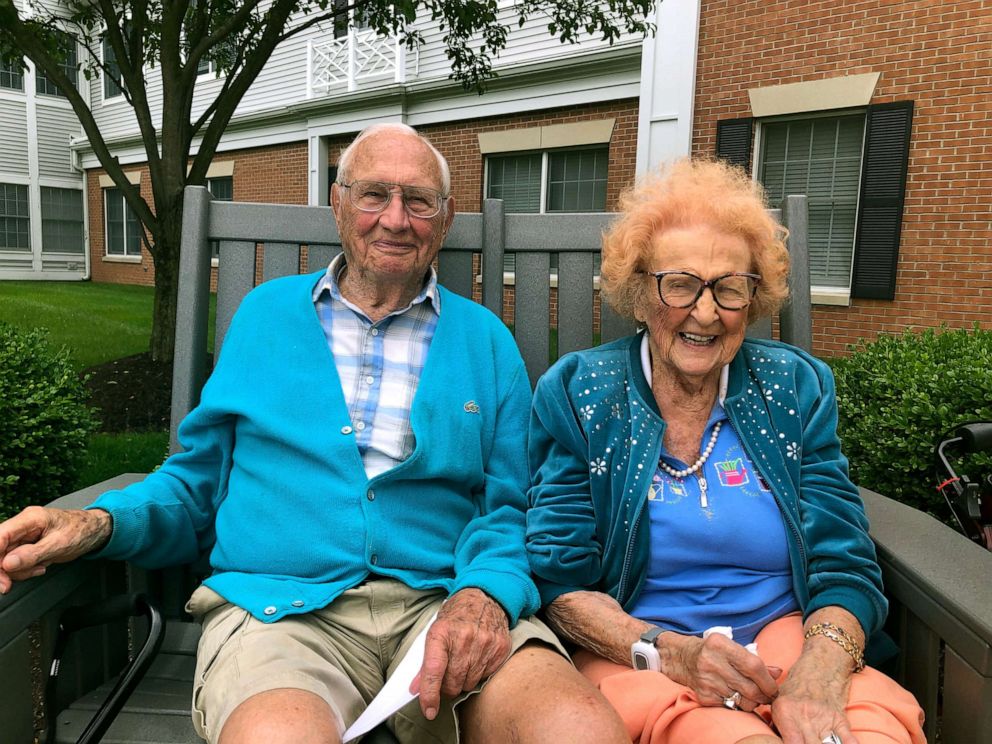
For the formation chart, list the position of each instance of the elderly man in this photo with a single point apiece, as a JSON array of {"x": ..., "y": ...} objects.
[{"x": 356, "y": 465}]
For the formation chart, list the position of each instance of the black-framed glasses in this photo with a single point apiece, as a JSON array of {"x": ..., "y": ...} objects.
[
  {"x": 680, "y": 289},
  {"x": 374, "y": 196}
]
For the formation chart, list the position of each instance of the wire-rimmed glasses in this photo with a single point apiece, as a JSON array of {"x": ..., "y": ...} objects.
[
  {"x": 374, "y": 196},
  {"x": 680, "y": 289}
]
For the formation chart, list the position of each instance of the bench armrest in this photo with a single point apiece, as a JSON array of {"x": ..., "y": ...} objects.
[{"x": 940, "y": 584}]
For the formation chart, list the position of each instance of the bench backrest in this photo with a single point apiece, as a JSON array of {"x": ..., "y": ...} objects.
[{"x": 264, "y": 241}]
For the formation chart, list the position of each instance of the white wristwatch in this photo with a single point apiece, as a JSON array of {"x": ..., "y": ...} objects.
[{"x": 644, "y": 654}]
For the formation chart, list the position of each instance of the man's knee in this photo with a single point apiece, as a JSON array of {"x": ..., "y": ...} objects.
[
  {"x": 538, "y": 696},
  {"x": 283, "y": 716}
]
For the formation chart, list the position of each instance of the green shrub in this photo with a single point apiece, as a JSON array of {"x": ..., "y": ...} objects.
[
  {"x": 44, "y": 420},
  {"x": 897, "y": 396}
]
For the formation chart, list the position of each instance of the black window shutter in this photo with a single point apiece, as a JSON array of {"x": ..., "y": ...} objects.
[
  {"x": 733, "y": 141},
  {"x": 880, "y": 206}
]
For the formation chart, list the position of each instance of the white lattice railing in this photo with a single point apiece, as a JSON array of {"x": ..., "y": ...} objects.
[{"x": 360, "y": 56}]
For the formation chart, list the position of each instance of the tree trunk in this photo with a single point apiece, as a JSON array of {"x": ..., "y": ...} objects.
[{"x": 166, "y": 260}]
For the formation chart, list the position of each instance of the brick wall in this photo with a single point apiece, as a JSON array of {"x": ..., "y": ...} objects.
[
  {"x": 938, "y": 54},
  {"x": 265, "y": 174}
]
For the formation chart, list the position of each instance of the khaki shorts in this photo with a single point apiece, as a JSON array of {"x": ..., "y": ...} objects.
[{"x": 342, "y": 653}]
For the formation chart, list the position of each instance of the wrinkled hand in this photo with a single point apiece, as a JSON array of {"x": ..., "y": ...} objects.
[
  {"x": 469, "y": 641},
  {"x": 810, "y": 704},
  {"x": 717, "y": 667},
  {"x": 39, "y": 537}
]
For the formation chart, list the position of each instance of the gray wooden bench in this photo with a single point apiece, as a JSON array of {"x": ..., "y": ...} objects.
[{"x": 937, "y": 580}]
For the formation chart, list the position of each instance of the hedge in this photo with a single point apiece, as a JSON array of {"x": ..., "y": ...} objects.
[
  {"x": 44, "y": 420},
  {"x": 898, "y": 394}
]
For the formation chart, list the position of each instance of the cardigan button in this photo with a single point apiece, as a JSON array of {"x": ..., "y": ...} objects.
[
  {"x": 270, "y": 610},
  {"x": 298, "y": 603},
  {"x": 370, "y": 495},
  {"x": 346, "y": 430}
]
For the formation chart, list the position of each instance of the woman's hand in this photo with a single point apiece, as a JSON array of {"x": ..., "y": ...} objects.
[
  {"x": 810, "y": 704},
  {"x": 717, "y": 667}
]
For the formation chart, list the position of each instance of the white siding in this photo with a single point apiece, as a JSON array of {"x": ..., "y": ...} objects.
[
  {"x": 55, "y": 125},
  {"x": 14, "y": 141},
  {"x": 282, "y": 83}
]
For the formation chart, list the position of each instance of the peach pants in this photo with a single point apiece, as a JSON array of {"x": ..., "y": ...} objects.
[{"x": 657, "y": 710}]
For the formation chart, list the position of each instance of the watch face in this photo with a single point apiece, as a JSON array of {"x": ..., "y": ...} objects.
[
  {"x": 644, "y": 656},
  {"x": 641, "y": 661}
]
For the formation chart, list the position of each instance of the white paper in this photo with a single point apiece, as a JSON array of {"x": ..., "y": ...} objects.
[{"x": 395, "y": 693}]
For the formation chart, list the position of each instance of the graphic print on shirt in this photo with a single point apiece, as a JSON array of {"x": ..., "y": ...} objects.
[
  {"x": 662, "y": 484},
  {"x": 732, "y": 472}
]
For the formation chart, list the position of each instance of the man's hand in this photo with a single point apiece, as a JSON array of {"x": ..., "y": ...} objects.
[
  {"x": 39, "y": 537},
  {"x": 469, "y": 641}
]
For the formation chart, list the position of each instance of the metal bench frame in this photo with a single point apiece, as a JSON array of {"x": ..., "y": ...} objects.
[{"x": 938, "y": 581}]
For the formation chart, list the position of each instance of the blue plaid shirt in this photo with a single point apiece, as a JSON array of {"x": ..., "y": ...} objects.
[{"x": 379, "y": 365}]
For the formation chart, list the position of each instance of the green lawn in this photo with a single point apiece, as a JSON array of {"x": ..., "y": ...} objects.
[{"x": 97, "y": 322}]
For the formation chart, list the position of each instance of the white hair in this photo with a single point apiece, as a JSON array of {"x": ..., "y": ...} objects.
[{"x": 348, "y": 154}]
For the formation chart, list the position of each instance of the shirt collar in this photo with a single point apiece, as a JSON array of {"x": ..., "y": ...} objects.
[
  {"x": 646, "y": 368},
  {"x": 328, "y": 282}
]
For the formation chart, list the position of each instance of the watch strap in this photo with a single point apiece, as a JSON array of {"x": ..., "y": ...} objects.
[{"x": 649, "y": 635}]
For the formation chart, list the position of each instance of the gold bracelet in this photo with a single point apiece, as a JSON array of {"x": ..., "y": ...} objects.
[{"x": 842, "y": 638}]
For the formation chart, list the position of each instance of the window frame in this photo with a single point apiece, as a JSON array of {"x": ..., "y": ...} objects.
[
  {"x": 81, "y": 221},
  {"x": 51, "y": 89},
  {"x": 27, "y": 249},
  {"x": 822, "y": 294},
  {"x": 546, "y": 171},
  {"x": 105, "y": 80},
  {"x": 12, "y": 71},
  {"x": 125, "y": 255}
]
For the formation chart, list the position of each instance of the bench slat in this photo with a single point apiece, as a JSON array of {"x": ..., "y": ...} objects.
[
  {"x": 575, "y": 301},
  {"x": 532, "y": 302},
  {"x": 280, "y": 259},
  {"x": 233, "y": 283}
]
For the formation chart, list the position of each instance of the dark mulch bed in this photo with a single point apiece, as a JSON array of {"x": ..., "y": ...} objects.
[{"x": 131, "y": 394}]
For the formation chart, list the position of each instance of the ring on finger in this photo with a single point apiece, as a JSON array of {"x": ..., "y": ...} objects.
[
  {"x": 734, "y": 701},
  {"x": 831, "y": 738}
]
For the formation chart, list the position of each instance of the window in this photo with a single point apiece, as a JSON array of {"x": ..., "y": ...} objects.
[
  {"x": 221, "y": 189},
  {"x": 571, "y": 181},
  {"x": 11, "y": 74},
  {"x": 68, "y": 65},
  {"x": 61, "y": 220},
  {"x": 853, "y": 169},
  {"x": 821, "y": 158},
  {"x": 111, "y": 73},
  {"x": 15, "y": 224},
  {"x": 556, "y": 181},
  {"x": 345, "y": 17},
  {"x": 123, "y": 230}
]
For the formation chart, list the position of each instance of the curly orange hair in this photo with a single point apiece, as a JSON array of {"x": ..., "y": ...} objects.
[{"x": 686, "y": 193}]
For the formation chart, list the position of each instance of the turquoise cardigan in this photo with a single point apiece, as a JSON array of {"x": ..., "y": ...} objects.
[
  {"x": 595, "y": 439},
  {"x": 272, "y": 485}
]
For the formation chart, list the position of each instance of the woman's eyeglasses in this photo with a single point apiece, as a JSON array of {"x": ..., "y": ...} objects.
[{"x": 680, "y": 289}]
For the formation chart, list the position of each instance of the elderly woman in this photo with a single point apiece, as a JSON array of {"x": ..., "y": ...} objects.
[{"x": 690, "y": 497}]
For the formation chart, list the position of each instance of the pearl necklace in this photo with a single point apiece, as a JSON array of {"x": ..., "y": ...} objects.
[{"x": 698, "y": 463}]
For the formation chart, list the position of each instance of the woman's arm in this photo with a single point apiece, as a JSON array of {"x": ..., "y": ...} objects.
[
  {"x": 812, "y": 699},
  {"x": 713, "y": 668},
  {"x": 595, "y": 622}
]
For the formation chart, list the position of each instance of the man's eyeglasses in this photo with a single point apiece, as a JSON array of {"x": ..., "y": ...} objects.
[
  {"x": 374, "y": 196},
  {"x": 680, "y": 289}
]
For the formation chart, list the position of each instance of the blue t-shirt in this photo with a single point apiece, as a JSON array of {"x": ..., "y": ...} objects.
[{"x": 721, "y": 559}]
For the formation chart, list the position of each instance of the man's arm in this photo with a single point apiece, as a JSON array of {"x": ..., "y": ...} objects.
[
  {"x": 38, "y": 537},
  {"x": 471, "y": 637}
]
